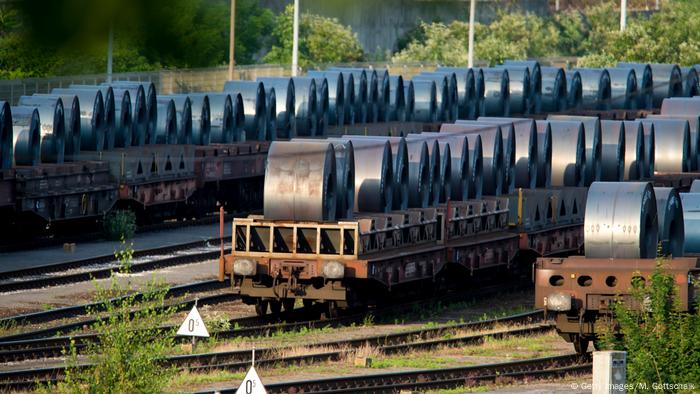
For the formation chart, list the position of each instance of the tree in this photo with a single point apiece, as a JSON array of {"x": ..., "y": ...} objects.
[{"x": 321, "y": 40}]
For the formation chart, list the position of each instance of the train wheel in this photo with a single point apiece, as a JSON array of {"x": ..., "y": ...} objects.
[
  {"x": 331, "y": 310},
  {"x": 288, "y": 304},
  {"x": 275, "y": 306},
  {"x": 580, "y": 344},
  {"x": 261, "y": 307}
]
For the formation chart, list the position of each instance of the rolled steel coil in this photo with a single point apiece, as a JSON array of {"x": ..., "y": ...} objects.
[
  {"x": 383, "y": 90},
  {"x": 595, "y": 88},
  {"x": 167, "y": 126},
  {"x": 336, "y": 94},
  {"x": 460, "y": 168},
  {"x": 623, "y": 88},
  {"x": 508, "y": 134},
  {"x": 285, "y": 105},
  {"x": 690, "y": 203},
  {"x": 670, "y": 218},
  {"x": 691, "y": 84},
  {"x": 544, "y": 153},
  {"x": 148, "y": 90},
  {"x": 574, "y": 90},
  {"x": 359, "y": 79},
  {"x": 221, "y": 120},
  {"x": 401, "y": 166},
  {"x": 452, "y": 108},
  {"x": 436, "y": 181},
  {"x": 445, "y": 170},
  {"x": 685, "y": 108},
  {"x": 418, "y": 173},
  {"x": 612, "y": 154},
  {"x": 649, "y": 149},
  {"x": 397, "y": 99},
  {"x": 496, "y": 92},
  {"x": 306, "y": 110},
  {"x": 476, "y": 173},
  {"x": 142, "y": 126},
  {"x": 410, "y": 97},
  {"x": 271, "y": 114},
  {"x": 694, "y": 124},
  {"x": 479, "y": 92},
  {"x": 322, "y": 106},
  {"x": 525, "y": 155},
  {"x": 300, "y": 181},
  {"x": 520, "y": 90},
  {"x": 254, "y": 100},
  {"x": 112, "y": 115},
  {"x": 26, "y": 137},
  {"x": 425, "y": 101},
  {"x": 345, "y": 176},
  {"x": 568, "y": 144},
  {"x": 53, "y": 133},
  {"x": 621, "y": 221},
  {"x": 671, "y": 145},
  {"x": 440, "y": 163},
  {"x": 695, "y": 186},
  {"x": 349, "y": 98},
  {"x": 374, "y": 175},
  {"x": 592, "y": 130},
  {"x": 442, "y": 97},
  {"x": 554, "y": 96},
  {"x": 370, "y": 96},
  {"x": 634, "y": 150},
  {"x": 6, "y": 136},
  {"x": 667, "y": 80},
  {"x": 536, "y": 81},
  {"x": 201, "y": 116},
  {"x": 466, "y": 91},
  {"x": 645, "y": 83},
  {"x": 239, "y": 117},
  {"x": 183, "y": 116},
  {"x": 492, "y": 153},
  {"x": 71, "y": 118},
  {"x": 92, "y": 117}
]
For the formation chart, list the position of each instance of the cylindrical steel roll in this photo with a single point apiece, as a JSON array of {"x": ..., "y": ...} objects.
[
  {"x": 137, "y": 105},
  {"x": 476, "y": 173},
  {"x": 146, "y": 122},
  {"x": 671, "y": 145},
  {"x": 508, "y": 134},
  {"x": 621, "y": 221},
  {"x": 691, "y": 222},
  {"x": 645, "y": 83},
  {"x": 595, "y": 88},
  {"x": 634, "y": 150},
  {"x": 53, "y": 135},
  {"x": 220, "y": 116},
  {"x": 496, "y": 92},
  {"x": 492, "y": 152},
  {"x": 520, "y": 89},
  {"x": 369, "y": 94},
  {"x": 336, "y": 94},
  {"x": 668, "y": 82},
  {"x": 112, "y": 114},
  {"x": 536, "y": 81},
  {"x": 349, "y": 98},
  {"x": 26, "y": 138},
  {"x": 591, "y": 125},
  {"x": 201, "y": 116},
  {"x": 436, "y": 182},
  {"x": 612, "y": 155},
  {"x": 452, "y": 103},
  {"x": 460, "y": 166},
  {"x": 71, "y": 118},
  {"x": 440, "y": 157},
  {"x": 166, "y": 128},
  {"x": 374, "y": 175},
  {"x": 345, "y": 175},
  {"x": 554, "y": 92},
  {"x": 254, "y": 100},
  {"x": 544, "y": 153},
  {"x": 410, "y": 97},
  {"x": 691, "y": 84},
  {"x": 694, "y": 124},
  {"x": 442, "y": 94},
  {"x": 271, "y": 114},
  {"x": 383, "y": 90},
  {"x": 466, "y": 91},
  {"x": 306, "y": 110},
  {"x": 359, "y": 79},
  {"x": 568, "y": 144},
  {"x": 285, "y": 104},
  {"x": 322, "y": 105},
  {"x": 695, "y": 186},
  {"x": 574, "y": 90},
  {"x": 372, "y": 96},
  {"x": 239, "y": 117},
  {"x": 6, "y": 136},
  {"x": 92, "y": 117},
  {"x": 183, "y": 114},
  {"x": 685, "y": 108},
  {"x": 649, "y": 149},
  {"x": 479, "y": 92},
  {"x": 425, "y": 101},
  {"x": 670, "y": 218},
  {"x": 300, "y": 181},
  {"x": 526, "y": 160},
  {"x": 623, "y": 88},
  {"x": 418, "y": 173},
  {"x": 397, "y": 99}
]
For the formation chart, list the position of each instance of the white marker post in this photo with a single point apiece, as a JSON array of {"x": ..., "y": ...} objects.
[
  {"x": 251, "y": 384},
  {"x": 193, "y": 326}
]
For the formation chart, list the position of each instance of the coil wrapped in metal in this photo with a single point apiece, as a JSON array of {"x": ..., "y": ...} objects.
[
  {"x": 92, "y": 117},
  {"x": 691, "y": 84},
  {"x": 410, "y": 97},
  {"x": 568, "y": 144},
  {"x": 694, "y": 124},
  {"x": 271, "y": 114},
  {"x": 300, "y": 181},
  {"x": 322, "y": 105},
  {"x": 53, "y": 134},
  {"x": 574, "y": 90},
  {"x": 689, "y": 109},
  {"x": 645, "y": 83},
  {"x": 591, "y": 125},
  {"x": 649, "y": 149},
  {"x": 425, "y": 102},
  {"x": 418, "y": 173},
  {"x": 436, "y": 181},
  {"x": 690, "y": 203},
  {"x": 440, "y": 166},
  {"x": 667, "y": 80},
  {"x": 201, "y": 116},
  {"x": 114, "y": 120},
  {"x": 452, "y": 99},
  {"x": 349, "y": 98},
  {"x": 345, "y": 175},
  {"x": 520, "y": 89},
  {"x": 544, "y": 153},
  {"x": 369, "y": 82},
  {"x": 479, "y": 92},
  {"x": 466, "y": 91},
  {"x": 508, "y": 135},
  {"x": 621, "y": 221},
  {"x": 476, "y": 173},
  {"x": 496, "y": 92},
  {"x": 634, "y": 150},
  {"x": 441, "y": 94},
  {"x": 612, "y": 154},
  {"x": 306, "y": 110},
  {"x": 670, "y": 218},
  {"x": 359, "y": 79},
  {"x": 671, "y": 145},
  {"x": 554, "y": 96},
  {"x": 25, "y": 137},
  {"x": 460, "y": 167},
  {"x": 536, "y": 81},
  {"x": 525, "y": 156},
  {"x": 147, "y": 91},
  {"x": 167, "y": 127},
  {"x": 623, "y": 88},
  {"x": 285, "y": 105},
  {"x": 71, "y": 118},
  {"x": 183, "y": 116},
  {"x": 397, "y": 99},
  {"x": 336, "y": 94},
  {"x": 445, "y": 170},
  {"x": 221, "y": 118},
  {"x": 141, "y": 116},
  {"x": 254, "y": 100},
  {"x": 6, "y": 136},
  {"x": 383, "y": 92},
  {"x": 595, "y": 88},
  {"x": 492, "y": 153}
]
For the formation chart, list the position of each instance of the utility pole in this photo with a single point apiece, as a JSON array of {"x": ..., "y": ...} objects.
[
  {"x": 470, "y": 56},
  {"x": 623, "y": 15},
  {"x": 556, "y": 5},
  {"x": 295, "y": 40},
  {"x": 110, "y": 42},
  {"x": 232, "y": 40}
]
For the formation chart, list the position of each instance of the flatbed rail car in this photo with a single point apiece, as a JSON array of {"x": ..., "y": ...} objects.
[
  {"x": 580, "y": 291},
  {"x": 352, "y": 263}
]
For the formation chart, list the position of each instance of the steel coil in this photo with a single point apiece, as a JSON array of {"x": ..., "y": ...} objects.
[
  {"x": 300, "y": 181},
  {"x": 440, "y": 162},
  {"x": 690, "y": 203},
  {"x": 685, "y": 108},
  {"x": 322, "y": 105},
  {"x": 452, "y": 98},
  {"x": 418, "y": 174},
  {"x": 345, "y": 175},
  {"x": 383, "y": 90},
  {"x": 634, "y": 150},
  {"x": 460, "y": 167},
  {"x": 445, "y": 170},
  {"x": 133, "y": 100},
  {"x": 496, "y": 92},
  {"x": 695, "y": 186},
  {"x": 595, "y": 88},
  {"x": 425, "y": 101},
  {"x": 6, "y": 136},
  {"x": 435, "y": 183},
  {"x": 359, "y": 79},
  {"x": 670, "y": 218},
  {"x": 71, "y": 118},
  {"x": 410, "y": 97},
  {"x": 520, "y": 90},
  {"x": 492, "y": 153},
  {"x": 691, "y": 84},
  {"x": 92, "y": 117},
  {"x": 147, "y": 91},
  {"x": 694, "y": 124},
  {"x": 369, "y": 94},
  {"x": 397, "y": 99},
  {"x": 183, "y": 113},
  {"x": 336, "y": 94},
  {"x": 254, "y": 100},
  {"x": 271, "y": 114},
  {"x": 201, "y": 116},
  {"x": 372, "y": 96},
  {"x": 554, "y": 96},
  {"x": 466, "y": 91},
  {"x": 544, "y": 153},
  {"x": 166, "y": 128},
  {"x": 53, "y": 134},
  {"x": 476, "y": 173},
  {"x": 306, "y": 110},
  {"x": 442, "y": 97},
  {"x": 221, "y": 118},
  {"x": 621, "y": 221},
  {"x": 479, "y": 92},
  {"x": 612, "y": 154},
  {"x": 666, "y": 78},
  {"x": 525, "y": 155},
  {"x": 285, "y": 105},
  {"x": 649, "y": 149},
  {"x": 349, "y": 98},
  {"x": 623, "y": 88},
  {"x": 671, "y": 145},
  {"x": 574, "y": 90},
  {"x": 26, "y": 137},
  {"x": 508, "y": 135},
  {"x": 568, "y": 144},
  {"x": 536, "y": 81},
  {"x": 113, "y": 115},
  {"x": 591, "y": 126},
  {"x": 645, "y": 83}
]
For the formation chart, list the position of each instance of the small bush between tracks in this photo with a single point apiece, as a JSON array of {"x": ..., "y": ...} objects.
[{"x": 120, "y": 224}]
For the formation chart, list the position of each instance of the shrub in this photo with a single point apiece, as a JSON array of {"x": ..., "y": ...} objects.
[{"x": 120, "y": 224}]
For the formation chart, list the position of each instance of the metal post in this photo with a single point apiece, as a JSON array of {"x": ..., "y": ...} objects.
[
  {"x": 623, "y": 15},
  {"x": 556, "y": 5},
  {"x": 109, "y": 52},
  {"x": 231, "y": 40},
  {"x": 472, "y": 11},
  {"x": 221, "y": 240},
  {"x": 295, "y": 39},
  {"x": 657, "y": 4}
]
